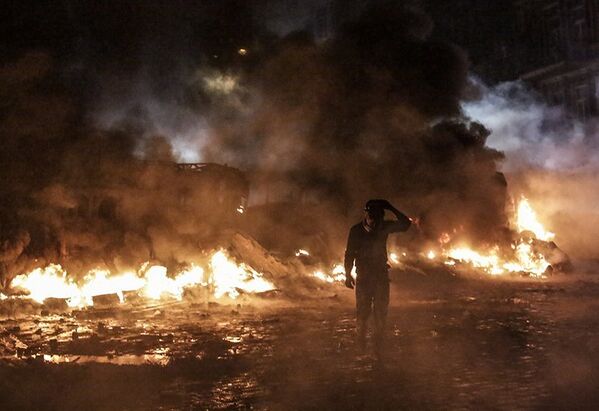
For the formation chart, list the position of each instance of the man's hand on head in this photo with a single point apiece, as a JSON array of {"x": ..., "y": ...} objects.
[
  {"x": 383, "y": 204},
  {"x": 386, "y": 205}
]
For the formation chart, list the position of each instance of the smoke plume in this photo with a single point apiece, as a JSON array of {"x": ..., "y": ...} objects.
[
  {"x": 89, "y": 137},
  {"x": 374, "y": 112},
  {"x": 550, "y": 156}
]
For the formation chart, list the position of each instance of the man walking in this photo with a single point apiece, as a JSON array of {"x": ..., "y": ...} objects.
[{"x": 367, "y": 247}]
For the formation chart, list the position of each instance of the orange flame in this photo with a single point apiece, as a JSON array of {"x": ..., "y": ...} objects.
[
  {"x": 226, "y": 277},
  {"x": 526, "y": 220}
]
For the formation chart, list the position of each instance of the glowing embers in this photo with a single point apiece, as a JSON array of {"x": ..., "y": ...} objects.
[
  {"x": 223, "y": 277},
  {"x": 336, "y": 274}
]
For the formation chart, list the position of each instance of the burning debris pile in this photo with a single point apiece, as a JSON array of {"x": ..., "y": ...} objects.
[
  {"x": 221, "y": 276},
  {"x": 91, "y": 208},
  {"x": 529, "y": 252},
  {"x": 240, "y": 267},
  {"x": 217, "y": 274},
  {"x": 532, "y": 251}
]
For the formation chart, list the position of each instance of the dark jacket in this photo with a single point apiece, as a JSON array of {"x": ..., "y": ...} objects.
[{"x": 369, "y": 249}]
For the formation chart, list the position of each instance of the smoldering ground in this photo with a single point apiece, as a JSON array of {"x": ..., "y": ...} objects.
[{"x": 372, "y": 112}]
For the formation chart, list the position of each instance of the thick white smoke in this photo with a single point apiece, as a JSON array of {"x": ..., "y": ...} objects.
[
  {"x": 530, "y": 132},
  {"x": 182, "y": 112},
  {"x": 550, "y": 156}
]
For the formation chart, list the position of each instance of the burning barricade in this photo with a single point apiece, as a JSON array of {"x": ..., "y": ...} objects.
[
  {"x": 238, "y": 267},
  {"x": 529, "y": 252},
  {"x": 219, "y": 274},
  {"x": 245, "y": 267}
]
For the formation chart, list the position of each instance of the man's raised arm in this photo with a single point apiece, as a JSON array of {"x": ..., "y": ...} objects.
[{"x": 402, "y": 223}]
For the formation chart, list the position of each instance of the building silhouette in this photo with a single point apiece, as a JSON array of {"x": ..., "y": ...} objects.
[{"x": 551, "y": 45}]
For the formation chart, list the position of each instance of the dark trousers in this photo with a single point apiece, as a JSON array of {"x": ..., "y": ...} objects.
[{"x": 372, "y": 295}]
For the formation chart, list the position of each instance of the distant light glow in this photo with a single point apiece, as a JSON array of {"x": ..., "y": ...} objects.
[
  {"x": 301, "y": 252},
  {"x": 220, "y": 83}
]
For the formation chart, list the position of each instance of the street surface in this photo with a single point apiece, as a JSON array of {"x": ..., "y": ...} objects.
[{"x": 451, "y": 345}]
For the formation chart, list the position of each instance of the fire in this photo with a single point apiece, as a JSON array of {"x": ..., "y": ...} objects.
[
  {"x": 224, "y": 276},
  {"x": 528, "y": 261},
  {"x": 489, "y": 263},
  {"x": 522, "y": 259},
  {"x": 159, "y": 284},
  {"x": 335, "y": 274},
  {"x": 527, "y": 221},
  {"x": 48, "y": 282},
  {"x": 525, "y": 259},
  {"x": 229, "y": 277},
  {"x": 323, "y": 277},
  {"x": 101, "y": 283},
  {"x": 444, "y": 238}
]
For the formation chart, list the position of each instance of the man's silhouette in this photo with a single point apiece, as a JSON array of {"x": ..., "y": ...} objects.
[{"x": 367, "y": 248}]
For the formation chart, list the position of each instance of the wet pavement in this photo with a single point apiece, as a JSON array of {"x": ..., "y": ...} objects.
[{"x": 456, "y": 345}]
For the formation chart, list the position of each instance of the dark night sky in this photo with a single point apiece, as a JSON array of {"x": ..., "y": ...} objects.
[{"x": 127, "y": 32}]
